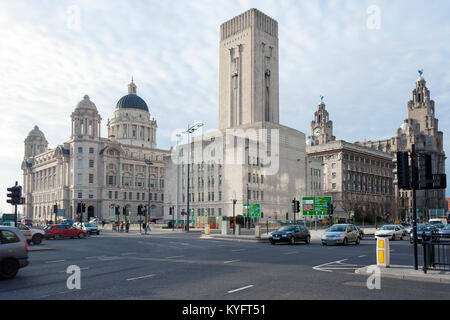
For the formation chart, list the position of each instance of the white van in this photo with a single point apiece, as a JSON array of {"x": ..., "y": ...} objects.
[{"x": 438, "y": 220}]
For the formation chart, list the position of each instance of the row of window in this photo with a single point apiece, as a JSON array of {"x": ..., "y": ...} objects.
[
  {"x": 139, "y": 196},
  {"x": 139, "y": 182},
  {"x": 255, "y": 178}
]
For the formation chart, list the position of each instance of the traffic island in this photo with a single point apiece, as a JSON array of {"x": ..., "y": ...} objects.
[{"x": 408, "y": 273}]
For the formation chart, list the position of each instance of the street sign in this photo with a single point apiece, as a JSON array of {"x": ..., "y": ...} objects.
[
  {"x": 252, "y": 210},
  {"x": 316, "y": 206},
  {"x": 61, "y": 213}
]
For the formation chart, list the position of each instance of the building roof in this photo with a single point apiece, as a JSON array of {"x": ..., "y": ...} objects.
[{"x": 132, "y": 101}]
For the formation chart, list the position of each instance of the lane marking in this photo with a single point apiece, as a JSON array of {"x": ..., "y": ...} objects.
[
  {"x": 362, "y": 256},
  {"x": 174, "y": 257},
  {"x": 336, "y": 265},
  {"x": 237, "y": 250},
  {"x": 55, "y": 261},
  {"x": 293, "y": 252},
  {"x": 243, "y": 288},
  {"x": 65, "y": 271},
  {"x": 231, "y": 261},
  {"x": 143, "y": 277},
  {"x": 127, "y": 253}
]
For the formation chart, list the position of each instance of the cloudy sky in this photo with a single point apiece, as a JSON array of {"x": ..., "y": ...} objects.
[{"x": 52, "y": 53}]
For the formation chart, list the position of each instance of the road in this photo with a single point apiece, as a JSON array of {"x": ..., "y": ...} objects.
[{"x": 183, "y": 266}]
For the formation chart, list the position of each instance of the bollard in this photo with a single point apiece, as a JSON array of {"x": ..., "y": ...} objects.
[
  {"x": 258, "y": 231},
  {"x": 237, "y": 231},
  {"x": 225, "y": 227},
  {"x": 383, "y": 252},
  {"x": 207, "y": 230}
]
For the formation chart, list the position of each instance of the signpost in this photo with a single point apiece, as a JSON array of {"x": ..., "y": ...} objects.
[{"x": 316, "y": 206}]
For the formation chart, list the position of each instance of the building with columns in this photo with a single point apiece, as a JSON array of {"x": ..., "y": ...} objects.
[{"x": 121, "y": 171}]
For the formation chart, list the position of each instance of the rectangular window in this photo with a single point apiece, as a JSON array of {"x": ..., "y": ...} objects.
[
  {"x": 91, "y": 150},
  {"x": 80, "y": 179},
  {"x": 130, "y": 194},
  {"x": 143, "y": 196},
  {"x": 80, "y": 163},
  {"x": 138, "y": 196},
  {"x": 156, "y": 197},
  {"x": 91, "y": 163},
  {"x": 80, "y": 150},
  {"x": 124, "y": 196},
  {"x": 80, "y": 194},
  {"x": 116, "y": 194},
  {"x": 91, "y": 178}
]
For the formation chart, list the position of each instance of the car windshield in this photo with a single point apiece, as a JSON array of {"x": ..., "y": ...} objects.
[
  {"x": 338, "y": 228},
  {"x": 387, "y": 227},
  {"x": 286, "y": 228}
]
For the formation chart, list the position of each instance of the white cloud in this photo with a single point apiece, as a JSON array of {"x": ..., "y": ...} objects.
[{"x": 171, "y": 49}]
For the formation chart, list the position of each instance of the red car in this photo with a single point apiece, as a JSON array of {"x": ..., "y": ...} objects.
[{"x": 58, "y": 231}]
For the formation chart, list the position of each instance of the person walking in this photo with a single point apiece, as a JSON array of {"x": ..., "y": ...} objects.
[
  {"x": 127, "y": 226},
  {"x": 103, "y": 224},
  {"x": 148, "y": 227},
  {"x": 121, "y": 227}
]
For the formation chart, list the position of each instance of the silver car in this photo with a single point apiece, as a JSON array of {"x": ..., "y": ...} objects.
[
  {"x": 13, "y": 252},
  {"x": 341, "y": 234}
]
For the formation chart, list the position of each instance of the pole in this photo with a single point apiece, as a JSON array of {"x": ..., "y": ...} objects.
[
  {"x": 234, "y": 217},
  {"x": 413, "y": 187},
  {"x": 188, "y": 195}
]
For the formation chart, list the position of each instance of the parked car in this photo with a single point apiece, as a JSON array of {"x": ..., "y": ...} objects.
[
  {"x": 290, "y": 234},
  {"x": 446, "y": 231},
  {"x": 58, "y": 231},
  {"x": 27, "y": 222},
  {"x": 429, "y": 230},
  {"x": 341, "y": 234},
  {"x": 13, "y": 252},
  {"x": 438, "y": 221},
  {"x": 90, "y": 228},
  {"x": 390, "y": 231},
  {"x": 31, "y": 234},
  {"x": 404, "y": 231},
  {"x": 67, "y": 221},
  {"x": 361, "y": 232}
]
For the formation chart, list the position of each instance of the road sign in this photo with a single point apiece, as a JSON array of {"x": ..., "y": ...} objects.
[
  {"x": 316, "y": 206},
  {"x": 252, "y": 210}
]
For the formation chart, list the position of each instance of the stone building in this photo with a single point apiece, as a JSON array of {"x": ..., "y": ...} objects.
[
  {"x": 251, "y": 158},
  {"x": 359, "y": 179},
  {"x": 122, "y": 171},
  {"x": 421, "y": 129}
]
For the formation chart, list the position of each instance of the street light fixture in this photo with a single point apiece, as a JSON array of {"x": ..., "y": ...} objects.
[
  {"x": 148, "y": 163},
  {"x": 176, "y": 197},
  {"x": 190, "y": 130}
]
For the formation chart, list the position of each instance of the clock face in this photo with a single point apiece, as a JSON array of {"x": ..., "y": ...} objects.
[{"x": 317, "y": 132}]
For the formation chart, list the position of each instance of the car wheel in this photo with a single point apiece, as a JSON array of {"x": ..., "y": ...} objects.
[
  {"x": 401, "y": 237},
  {"x": 292, "y": 241},
  {"x": 81, "y": 235},
  {"x": 393, "y": 237},
  {"x": 345, "y": 242},
  {"x": 9, "y": 269},
  {"x": 98, "y": 233},
  {"x": 357, "y": 240},
  {"x": 308, "y": 240},
  {"x": 272, "y": 242},
  {"x": 56, "y": 236},
  {"x": 37, "y": 239}
]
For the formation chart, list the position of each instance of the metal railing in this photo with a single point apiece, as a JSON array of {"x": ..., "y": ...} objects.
[{"x": 436, "y": 252}]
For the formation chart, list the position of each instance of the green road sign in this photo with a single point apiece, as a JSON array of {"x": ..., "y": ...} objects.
[
  {"x": 252, "y": 210},
  {"x": 316, "y": 206}
]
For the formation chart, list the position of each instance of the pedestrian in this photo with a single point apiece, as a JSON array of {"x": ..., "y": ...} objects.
[
  {"x": 127, "y": 226},
  {"x": 148, "y": 226},
  {"x": 121, "y": 227},
  {"x": 103, "y": 224}
]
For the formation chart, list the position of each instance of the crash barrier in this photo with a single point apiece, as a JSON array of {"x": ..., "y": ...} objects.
[
  {"x": 383, "y": 252},
  {"x": 436, "y": 252}
]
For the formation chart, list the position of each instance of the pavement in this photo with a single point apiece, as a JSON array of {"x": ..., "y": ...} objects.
[{"x": 408, "y": 273}]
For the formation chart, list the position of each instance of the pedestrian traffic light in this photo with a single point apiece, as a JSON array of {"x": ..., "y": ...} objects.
[{"x": 402, "y": 171}]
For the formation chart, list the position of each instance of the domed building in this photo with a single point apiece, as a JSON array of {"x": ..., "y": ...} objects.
[{"x": 111, "y": 176}]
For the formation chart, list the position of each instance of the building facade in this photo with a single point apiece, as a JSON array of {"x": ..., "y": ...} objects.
[
  {"x": 251, "y": 159},
  {"x": 108, "y": 175}
]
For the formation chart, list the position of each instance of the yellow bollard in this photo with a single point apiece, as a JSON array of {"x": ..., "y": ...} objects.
[
  {"x": 383, "y": 252},
  {"x": 207, "y": 231}
]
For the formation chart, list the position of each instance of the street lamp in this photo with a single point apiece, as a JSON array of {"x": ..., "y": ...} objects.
[
  {"x": 148, "y": 163},
  {"x": 188, "y": 132},
  {"x": 176, "y": 197}
]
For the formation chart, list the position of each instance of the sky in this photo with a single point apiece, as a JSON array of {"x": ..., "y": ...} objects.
[{"x": 362, "y": 56}]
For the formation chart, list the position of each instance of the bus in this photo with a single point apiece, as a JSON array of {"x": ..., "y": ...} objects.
[{"x": 7, "y": 217}]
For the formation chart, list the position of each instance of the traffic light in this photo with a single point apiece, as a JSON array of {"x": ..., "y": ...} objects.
[
  {"x": 83, "y": 207},
  {"x": 297, "y": 206},
  {"x": 117, "y": 211},
  {"x": 402, "y": 171},
  {"x": 79, "y": 207},
  {"x": 55, "y": 208},
  {"x": 171, "y": 209},
  {"x": 15, "y": 195}
]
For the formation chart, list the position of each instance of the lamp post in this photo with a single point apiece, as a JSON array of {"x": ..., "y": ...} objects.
[
  {"x": 148, "y": 163},
  {"x": 188, "y": 132},
  {"x": 176, "y": 197}
]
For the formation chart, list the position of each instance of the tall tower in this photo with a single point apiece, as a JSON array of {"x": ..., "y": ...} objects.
[
  {"x": 248, "y": 83},
  {"x": 35, "y": 143},
  {"x": 321, "y": 126},
  {"x": 86, "y": 122}
]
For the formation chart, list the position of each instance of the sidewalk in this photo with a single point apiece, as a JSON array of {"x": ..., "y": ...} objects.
[{"x": 408, "y": 273}]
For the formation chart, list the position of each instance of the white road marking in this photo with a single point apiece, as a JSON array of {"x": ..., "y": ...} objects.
[
  {"x": 335, "y": 265},
  {"x": 362, "y": 256},
  {"x": 293, "y": 252},
  {"x": 231, "y": 261},
  {"x": 174, "y": 257},
  {"x": 243, "y": 288},
  {"x": 80, "y": 269},
  {"x": 237, "y": 250},
  {"x": 127, "y": 253},
  {"x": 143, "y": 277},
  {"x": 55, "y": 261},
  {"x": 91, "y": 257}
]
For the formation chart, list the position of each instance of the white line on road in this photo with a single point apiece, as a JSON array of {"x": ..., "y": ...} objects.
[
  {"x": 55, "y": 261},
  {"x": 243, "y": 288},
  {"x": 174, "y": 257},
  {"x": 231, "y": 261},
  {"x": 362, "y": 256},
  {"x": 65, "y": 271},
  {"x": 237, "y": 250},
  {"x": 127, "y": 253},
  {"x": 293, "y": 252},
  {"x": 143, "y": 277}
]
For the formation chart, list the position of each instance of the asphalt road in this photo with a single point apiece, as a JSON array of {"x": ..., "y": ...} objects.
[{"x": 183, "y": 266}]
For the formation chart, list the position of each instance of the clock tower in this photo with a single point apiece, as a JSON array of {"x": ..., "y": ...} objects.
[{"x": 321, "y": 126}]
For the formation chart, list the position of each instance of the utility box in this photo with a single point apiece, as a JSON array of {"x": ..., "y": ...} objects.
[
  {"x": 383, "y": 252},
  {"x": 237, "y": 230},
  {"x": 225, "y": 227},
  {"x": 258, "y": 231}
]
